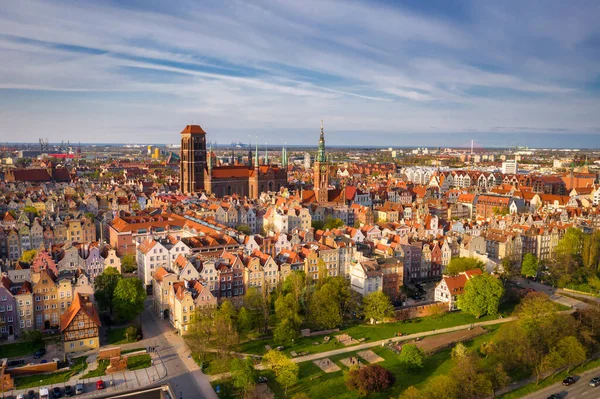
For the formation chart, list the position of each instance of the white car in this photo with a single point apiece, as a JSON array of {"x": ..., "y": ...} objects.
[{"x": 21, "y": 396}]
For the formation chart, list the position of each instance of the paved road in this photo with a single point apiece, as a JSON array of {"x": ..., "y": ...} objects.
[
  {"x": 184, "y": 375},
  {"x": 580, "y": 389}
]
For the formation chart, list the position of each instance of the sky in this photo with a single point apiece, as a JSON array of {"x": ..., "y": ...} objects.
[{"x": 378, "y": 72}]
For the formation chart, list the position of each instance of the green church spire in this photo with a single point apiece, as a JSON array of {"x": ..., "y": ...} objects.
[{"x": 321, "y": 152}]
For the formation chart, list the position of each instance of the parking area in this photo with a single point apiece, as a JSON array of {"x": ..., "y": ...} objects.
[{"x": 424, "y": 294}]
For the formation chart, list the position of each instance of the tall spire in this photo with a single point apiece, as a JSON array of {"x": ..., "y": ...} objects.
[
  {"x": 210, "y": 157},
  {"x": 249, "y": 151},
  {"x": 266, "y": 153},
  {"x": 284, "y": 159},
  {"x": 321, "y": 152},
  {"x": 256, "y": 154}
]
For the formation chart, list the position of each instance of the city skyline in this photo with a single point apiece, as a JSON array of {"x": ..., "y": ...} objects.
[{"x": 413, "y": 74}]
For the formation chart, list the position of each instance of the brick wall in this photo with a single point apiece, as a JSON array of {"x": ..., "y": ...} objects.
[
  {"x": 107, "y": 354},
  {"x": 33, "y": 369},
  {"x": 421, "y": 311}
]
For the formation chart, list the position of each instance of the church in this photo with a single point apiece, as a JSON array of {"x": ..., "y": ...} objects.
[{"x": 199, "y": 171}]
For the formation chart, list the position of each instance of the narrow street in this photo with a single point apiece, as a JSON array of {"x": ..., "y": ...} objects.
[{"x": 184, "y": 375}]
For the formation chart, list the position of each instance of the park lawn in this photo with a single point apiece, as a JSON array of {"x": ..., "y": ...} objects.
[
  {"x": 320, "y": 385},
  {"x": 19, "y": 349},
  {"x": 138, "y": 362},
  {"x": 100, "y": 371},
  {"x": 552, "y": 379},
  {"x": 376, "y": 332}
]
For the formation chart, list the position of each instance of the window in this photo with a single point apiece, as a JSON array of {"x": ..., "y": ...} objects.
[
  {"x": 28, "y": 323},
  {"x": 91, "y": 342},
  {"x": 80, "y": 343},
  {"x": 10, "y": 319},
  {"x": 22, "y": 323}
]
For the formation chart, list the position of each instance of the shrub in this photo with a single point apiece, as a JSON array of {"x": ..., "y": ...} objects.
[{"x": 369, "y": 379}]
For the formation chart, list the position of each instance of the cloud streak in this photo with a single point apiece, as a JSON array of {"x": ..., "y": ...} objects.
[{"x": 250, "y": 65}]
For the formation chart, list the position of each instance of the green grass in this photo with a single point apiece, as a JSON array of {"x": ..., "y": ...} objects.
[
  {"x": 552, "y": 379},
  {"x": 100, "y": 371},
  {"x": 138, "y": 362},
  {"x": 19, "y": 349},
  {"x": 319, "y": 385},
  {"x": 53, "y": 378},
  {"x": 116, "y": 336},
  {"x": 42, "y": 379},
  {"x": 213, "y": 364},
  {"x": 375, "y": 332}
]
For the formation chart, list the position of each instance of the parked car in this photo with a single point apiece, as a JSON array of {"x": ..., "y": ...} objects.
[
  {"x": 78, "y": 389},
  {"x": 416, "y": 297},
  {"x": 568, "y": 381},
  {"x": 56, "y": 392},
  {"x": 44, "y": 393},
  {"x": 21, "y": 396},
  {"x": 32, "y": 395},
  {"x": 43, "y": 361},
  {"x": 554, "y": 396},
  {"x": 100, "y": 384},
  {"x": 39, "y": 353},
  {"x": 68, "y": 390},
  {"x": 594, "y": 382}
]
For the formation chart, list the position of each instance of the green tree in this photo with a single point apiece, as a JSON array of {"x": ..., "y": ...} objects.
[
  {"x": 201, "y": 332},
  {"x": 412, "y": 356},
  {"x": 318, "y": 225},
  {"x": 325, "y": 312},
  {"x": 128, "y": 263},
  {"x": 244, "y": 228},
  {"x": 243, "y": 375},
  {"x": 377, "y": 306},
  {"x": 481, "y": 295},
  {"x": 567, "y": 353},
  {"x": 285, "y": 370},
  {"x": 459, "y": 351},
  {"x": 32, "y": 210},
  {"x": 28, "y": 256},
  {"x": 258, "y": 303},
  {"x": 458, "y": 265},
  {"x": 333, "y": 223},
  {"x": 498, "y": 378},
  {"x": 129, "y": 297},
  {"x": 529, "y": 267},
  {"x": 295, "y": 284},
  {"x": 536, "y": 310},
  {"x": 104, "y": 288},
  {"x": 244, "y": 321},
  {"x": 287, "y": 312}
]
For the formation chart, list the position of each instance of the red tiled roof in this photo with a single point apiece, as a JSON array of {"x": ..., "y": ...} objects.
[{"x": 79, "y": 304}]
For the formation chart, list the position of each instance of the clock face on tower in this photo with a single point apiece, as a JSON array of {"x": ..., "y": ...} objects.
[{"x": 323, "y": 168}]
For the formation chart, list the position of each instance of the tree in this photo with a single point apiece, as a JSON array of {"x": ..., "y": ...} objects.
[
  {"x": 459, "y": 351},
  {"x": 258, "y": 303},
  {"x": 285, "y": 331},
  {"x": 458, "y": 265},
  {"x": 470, "y": 378},
  {"x": 567, "y": 353},
  {"x": 529, "y": 267},
  {"x": 243, "y": 375},
  {"x": 244, "y": 321},
  {"x": 129, "y": 297},
  {"x": 301, "y": 395},
  {"x": 325, "y": 312},
  {"x": 32, "y": 210},
  {"x": 295, "y": 284},
  {"x": 201, "y": 332},
  {"x": 481, "y": 296},
  {"x": 285, "y": 370},
  {"x": 28, "y": 256},
  {"x": 128, "y": 263},
  {"x": 286, "y": 310},
  {"x": 377, "y": 306},
  {"x": 104, "y": 288},
  {"x": 317, "y": 225},
  {"x": 34, "y": 336},
  {"x": 412, "y": 393},
  {"x": 133, "y": 333},
  {"x": 439, "y": 387},
  {"x": 244, "y": 228},
  {"x": 412, "y": 356},
  {"x": 536, "y": 310},
  {"x": 224, "y": 328},
  {"x": 333, "y": 223},
  {"x": 368, "y": 379}
]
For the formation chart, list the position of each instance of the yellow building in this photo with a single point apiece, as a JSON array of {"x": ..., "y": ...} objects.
[{"x": 80, "y": 326}]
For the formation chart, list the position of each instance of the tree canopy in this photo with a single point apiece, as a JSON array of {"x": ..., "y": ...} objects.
[
  {"x": 104, "y": 288},
  {"x": 458, "y": 265},
  {"x": 369, "y": 379},
  {"x": 529, "y": 266},
  {"x": 377, "y": 306},
  {"x": 129, "y": 297},
  {"x": 412, "y": 356},
  {"x": 481, "y": 295}
]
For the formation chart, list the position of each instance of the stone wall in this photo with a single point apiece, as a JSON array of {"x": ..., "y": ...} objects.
[
  {"x": 108, "y": 353},
  {"x": 33, "y": 369}
]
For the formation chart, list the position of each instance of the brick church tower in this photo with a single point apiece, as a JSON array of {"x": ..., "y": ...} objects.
[{"x": 193, "y": 159}]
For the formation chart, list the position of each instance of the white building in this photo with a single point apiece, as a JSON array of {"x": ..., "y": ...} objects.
[
  {"x": 509, "y": 167},
  {"x": 151, "y": 255},
  {"x": 451, "y": 287},
  {"x": 366, "y": 277}
]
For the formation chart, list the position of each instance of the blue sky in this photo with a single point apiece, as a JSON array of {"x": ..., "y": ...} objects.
[{"x": 378, "y": 72}]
